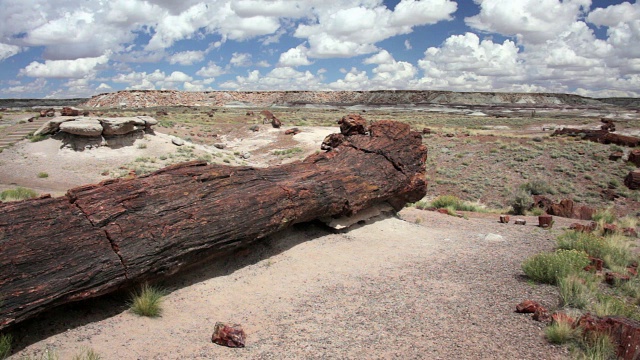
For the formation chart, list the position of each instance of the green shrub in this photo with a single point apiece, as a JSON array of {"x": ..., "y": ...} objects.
[
  {"x": 453, "y": 202},
  {"x": 147, "y": 301},
  {"x": 608, "y": 305},
  {"x": 537, "y": 187},
  {"x": 550, "y": 267},
  {"x": 5, "y": 346},
  {"x": 574, "y": 292},
  {"x": 521, "y": 201},
  {"x": 18, "y": 193},
  {"x": 606, "y": 216},
  {"x": 36, "y": 138},
  {"x": 560, "y": 332},
  {"x": 581, "y": 241},
  {"x": 43, "y": 175}
]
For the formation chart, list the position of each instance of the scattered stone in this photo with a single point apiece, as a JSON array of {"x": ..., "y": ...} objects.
[
  {"x": 609, "y": 229},
  {"x": 47, "y": 113},
  {"x": 426, "y": 131},
  {"x": 597, "y": 264},
  {"x": 254, "y": 128},
  {"x": 609, "y": 194},
  {"x": 504, "y": 219},
  {"x": 67, "y": 111},
  {"x": 528, "y": 307},
  {"x": 612, "y": 278},
  {"x": 566, "y": 208},
  {"x": 591, "y": 227},
  {"x": 246, "y": 156},
  {"x": 232, "y": 336},
  {"x": 608, "y": 125},
  {"x": 600, "y": 136},
  {"x": 616, "y": 156},
  {"x": 220, "y": 146},
  {"x": 332, "y": 141},
  {"x": 632, "y": 181},
  {"x": 161, "y": 113},
  {"x": 443, "y": 211},
  {"x": 520, "y": 222},
  {"x": 542, "y": 315},
  {"x": 545, "y": 221},
  {"x": 276, "y": 123},
  {"x": 630, "y": 232},
  {"x": 634, "y": 157},
  {"x": 542, "y": 202},
  {"x": 292, "y": 131},
  {"x": 32, "y": 119},
  {"x": 494, "y": 238},
  {"x": 177, "y": 141},
  {"x": 353, "y": 124},
  {"x": 249, "y": 113}
]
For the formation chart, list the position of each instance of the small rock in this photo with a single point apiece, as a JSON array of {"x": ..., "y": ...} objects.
[
  {"x": 292, "y": 131},
  {"x": 246, "y": 156},
  {"x": 177, "y": 141},
  {"x": 520, "y": 222},
  {"x": 494, "y": 237},
  {"x": 219, "y": 146},
  {"x": 232, "y": 336},
  {"x": 545, "y": 221},
  {"x": 612, "y": 278},
  {"x": 541, "y": 314},
  {"x": 504, "y": 219},
  {"x": 255, "y": 128},
  {"x": 527, "y": 307}
]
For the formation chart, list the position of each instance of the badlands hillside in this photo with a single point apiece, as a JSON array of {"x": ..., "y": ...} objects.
[{"x": 153, "y": 98}]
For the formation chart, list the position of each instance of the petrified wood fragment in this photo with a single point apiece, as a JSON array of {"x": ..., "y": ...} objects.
[{"x": 101, "y": 237}]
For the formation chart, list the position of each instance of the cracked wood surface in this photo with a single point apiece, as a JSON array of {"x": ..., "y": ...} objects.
[{"x": 99, "y": 238}]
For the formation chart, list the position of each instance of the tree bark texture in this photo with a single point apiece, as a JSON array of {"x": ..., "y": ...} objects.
[{"x": 99, "y": 238}]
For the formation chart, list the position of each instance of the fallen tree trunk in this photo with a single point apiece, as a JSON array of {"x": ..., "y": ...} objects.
[{"x": 99, "y": 238}]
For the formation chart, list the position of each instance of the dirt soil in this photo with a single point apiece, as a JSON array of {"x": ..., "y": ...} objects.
[{"x": 439, "y": 287}]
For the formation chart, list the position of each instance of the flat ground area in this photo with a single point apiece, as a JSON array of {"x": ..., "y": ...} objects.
[{"x": 419, "y": 286}]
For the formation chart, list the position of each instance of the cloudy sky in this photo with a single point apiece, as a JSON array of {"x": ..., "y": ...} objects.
[{"x": 78, "y": 48}]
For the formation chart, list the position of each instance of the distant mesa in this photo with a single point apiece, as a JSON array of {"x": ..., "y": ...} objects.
[{"x": 409, "y": 98}]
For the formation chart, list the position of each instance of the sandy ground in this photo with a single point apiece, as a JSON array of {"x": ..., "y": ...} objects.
[
  {"x": 395, "y": 287},
  {"x": 20, "y": 164},
  {"x": 419, "y": 286}
]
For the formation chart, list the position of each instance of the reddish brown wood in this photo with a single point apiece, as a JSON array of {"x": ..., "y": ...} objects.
[{"x": 101, "y": 237}]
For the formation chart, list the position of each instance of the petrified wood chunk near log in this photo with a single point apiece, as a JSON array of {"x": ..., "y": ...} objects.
[
  {"x": 101, "y": 237},
  {"x": 632, "y": 181}
]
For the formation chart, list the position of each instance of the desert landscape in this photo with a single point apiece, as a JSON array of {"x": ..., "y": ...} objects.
[{"x": 403, "y": 283}]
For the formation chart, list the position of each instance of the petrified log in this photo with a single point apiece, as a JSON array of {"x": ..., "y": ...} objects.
[
  {"x": 632, "y": 181},
  {"x": 102, "y": 237},
  {"x": 600, "y": 136}
]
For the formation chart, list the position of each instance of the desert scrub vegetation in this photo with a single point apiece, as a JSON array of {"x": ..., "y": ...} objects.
[
  {"x": 147, "y": 301},
  {"x": 449, "y": 202},
  {"x": 560, "y": 333},
  {"x": 43, "y": 175},
  {"x": 520, "y": 201},
  {"x": 287, "y": 152},
  {"x": 19, "y": 193},
  {"x": 37, "y": 138},
  {"x": 549, "y": 268},
  {"x": 5, "y": 346}
]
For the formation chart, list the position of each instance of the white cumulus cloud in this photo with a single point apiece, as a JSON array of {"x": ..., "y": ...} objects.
[
  {"x": 294, "y": 57},
  {"x": 187, "y": 57},
  {"x": 64, "y": 68}
]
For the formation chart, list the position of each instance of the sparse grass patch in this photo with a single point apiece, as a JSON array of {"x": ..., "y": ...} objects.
[
  {"x": 147, "y": 301},
  {"x": 597, "y": 346},
  {"x": 5, "y": 346},
  {"x": 453, "y": 202},
  {"x": 607, "y": 216},
  {"x": 560, "y": 333},
  {"x": 287, "y": 152},
  {"x": 37, "y": 138},
  {"x": 87, "y": 354},
  {"x": 142, "y": 146},
  {"x": 43, "y": 175},
  {"x": 574, "y": 292},
  {"x": 550, "y": 267},
  {"x": 18, "y": 193}
]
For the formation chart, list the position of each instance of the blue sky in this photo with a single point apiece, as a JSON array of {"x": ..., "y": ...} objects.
[{"x": 79, "y": 48}]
